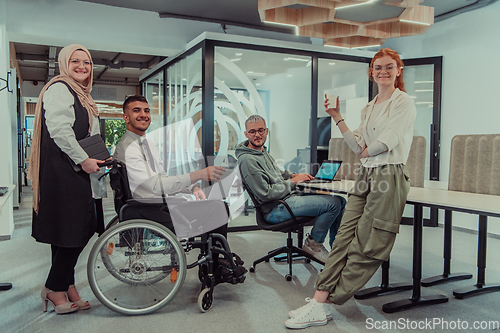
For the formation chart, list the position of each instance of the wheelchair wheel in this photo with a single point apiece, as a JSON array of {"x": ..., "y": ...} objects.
[
  {"x": 205, "y": 300},
  {"x": 114, "y": 221},
  {"x": 131, "y": 274}
]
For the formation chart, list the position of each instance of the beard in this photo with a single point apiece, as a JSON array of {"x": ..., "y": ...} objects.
[{"x": 257, "y": 145}]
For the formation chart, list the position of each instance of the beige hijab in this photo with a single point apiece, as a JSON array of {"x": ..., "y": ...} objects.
[{"x": 83, "y": 92}]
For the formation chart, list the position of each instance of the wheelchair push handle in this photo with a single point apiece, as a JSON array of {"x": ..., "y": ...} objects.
[{"x": 107, "y": 163}]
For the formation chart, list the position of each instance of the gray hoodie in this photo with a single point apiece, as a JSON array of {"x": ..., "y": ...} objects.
[{"x": 262, "y": 175}]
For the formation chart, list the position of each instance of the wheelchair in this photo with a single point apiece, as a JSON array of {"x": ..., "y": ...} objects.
[{"x": 138, "y": 265}]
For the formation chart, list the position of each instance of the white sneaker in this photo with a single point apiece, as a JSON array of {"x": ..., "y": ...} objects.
[
  {"x": 328, "y": 310},
  {"x": 313, "y": 314},
  {"x": 317, "y": 250}
]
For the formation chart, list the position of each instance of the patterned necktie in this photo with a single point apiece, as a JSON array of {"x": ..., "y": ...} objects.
[{"x": 150, "y": 158}]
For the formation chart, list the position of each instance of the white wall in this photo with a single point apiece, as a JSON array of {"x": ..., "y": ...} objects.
[
  {"x": 6, "y": 216},
  {"x": 290, "y": 111},
  {"x": 469, "y": 44}
]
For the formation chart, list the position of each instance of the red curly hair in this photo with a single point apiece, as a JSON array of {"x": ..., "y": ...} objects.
[{"x": 398, "y": 83}]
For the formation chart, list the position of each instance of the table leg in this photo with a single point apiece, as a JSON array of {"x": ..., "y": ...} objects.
[
  {"x": 416, "y": 299},
  {"x": 384, "y": 287},
  {"x": 480, "y": 287},
  {"x": 5, "y": 286},
  {"x": 447, "y": 276}
]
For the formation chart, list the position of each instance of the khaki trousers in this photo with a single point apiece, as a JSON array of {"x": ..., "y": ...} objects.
[{"x": 367, "y": 232}]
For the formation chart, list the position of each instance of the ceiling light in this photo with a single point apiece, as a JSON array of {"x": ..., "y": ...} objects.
[
  {"x": 340, "y": 47},
  {"x": 361, "y": 47},
  {"x": 331, "y": 63},
  {"x": 238, "y": 54},
  {"x": 289, "y": 75},
  {"x": 296, "y": 59},
  {"x": 286, "y": 25},
  {"x": 423, "y": 90},
  {"x": 250, "y": 73},
  {"x": 424, "y": 81},
  {"x": 237, "y": 59},
  {"x": 424, "y": 102},
  {"x": 257, "y": 84},
  {"x": 184, "y": 80},
  {"x": 356, "y": 4},
  {"x": 415, "y": 22}
]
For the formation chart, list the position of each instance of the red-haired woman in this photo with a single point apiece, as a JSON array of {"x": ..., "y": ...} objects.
[{"x": 375, "y": 205}]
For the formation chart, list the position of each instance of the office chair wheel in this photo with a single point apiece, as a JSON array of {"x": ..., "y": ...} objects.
[
  {"x": 252, "y": 269},
  {"x": 205, "y": 300},
  {"x": 288, "y": 277},
  {"x": 136, "y": 267},
  {"x": 114, "y": 221},
  {"x": 308, "y": 261}
]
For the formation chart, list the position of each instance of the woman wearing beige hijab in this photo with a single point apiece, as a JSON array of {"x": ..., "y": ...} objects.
[{"x": 64, "y": 214}]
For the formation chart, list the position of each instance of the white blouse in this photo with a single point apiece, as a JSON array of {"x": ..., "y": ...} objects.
[{"x": 391, "y": 123}]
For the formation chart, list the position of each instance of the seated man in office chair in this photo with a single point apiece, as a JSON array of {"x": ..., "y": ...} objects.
[
  {"x": 267, "y": 182},
  {"x": 147, "y": 179}
]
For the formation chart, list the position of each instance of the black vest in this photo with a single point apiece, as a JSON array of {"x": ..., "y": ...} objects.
[{"x": 66, "y": 214}]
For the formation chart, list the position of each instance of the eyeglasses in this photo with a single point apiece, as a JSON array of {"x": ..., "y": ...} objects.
[
  {"x": 388, "y": 67},
  {"x": 260, "y": 130},
  {"x": 79, "y": 62}
]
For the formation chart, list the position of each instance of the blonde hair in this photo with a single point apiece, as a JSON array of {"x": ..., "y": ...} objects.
[{"x": 253, "y": 119}]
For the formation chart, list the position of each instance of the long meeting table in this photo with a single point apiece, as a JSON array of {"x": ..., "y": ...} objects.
[{"x": 478, "y": 204}]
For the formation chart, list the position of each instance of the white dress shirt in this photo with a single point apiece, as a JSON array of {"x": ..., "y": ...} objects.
[{"x": 143, "y": 181}]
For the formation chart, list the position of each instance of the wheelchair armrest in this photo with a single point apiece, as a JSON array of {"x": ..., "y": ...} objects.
[{"x": 156, "y": 201}]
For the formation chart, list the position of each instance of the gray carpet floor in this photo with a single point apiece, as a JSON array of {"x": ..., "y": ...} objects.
[{"x": 261, "y": 304}]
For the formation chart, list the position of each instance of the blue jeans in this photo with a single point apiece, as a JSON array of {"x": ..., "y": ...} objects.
[{"x": 327, "y": 208}]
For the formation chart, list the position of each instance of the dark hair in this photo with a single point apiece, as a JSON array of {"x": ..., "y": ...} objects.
[
  {"x": 133, "y": 98},
  {"x": 398, "y": 83}
]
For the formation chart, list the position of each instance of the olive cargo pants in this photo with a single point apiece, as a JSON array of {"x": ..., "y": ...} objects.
[{"x": 367, "y": 232}]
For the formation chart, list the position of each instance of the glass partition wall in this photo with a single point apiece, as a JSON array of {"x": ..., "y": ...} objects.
[
  {"x": 211, "y": 89},
  {"x": 184, "y": 115},
  {"x": 276, "y": 86},
  {"x": 153, "y": 89},
  {"x": 349, "y": 81}
]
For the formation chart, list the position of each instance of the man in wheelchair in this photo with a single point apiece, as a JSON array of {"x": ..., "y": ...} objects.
[{"x": 147, "y": 180}]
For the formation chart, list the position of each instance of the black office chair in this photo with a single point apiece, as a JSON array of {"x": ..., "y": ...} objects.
[{"x": 294, "y": 225}]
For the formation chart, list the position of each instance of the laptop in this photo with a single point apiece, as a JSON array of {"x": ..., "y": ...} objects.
[{"x": 326, "y": 172}]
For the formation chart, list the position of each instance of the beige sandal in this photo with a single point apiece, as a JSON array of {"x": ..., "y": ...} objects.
[
  {"x": 67, "y": 307},
  {"x": 82, "y": 304}
]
